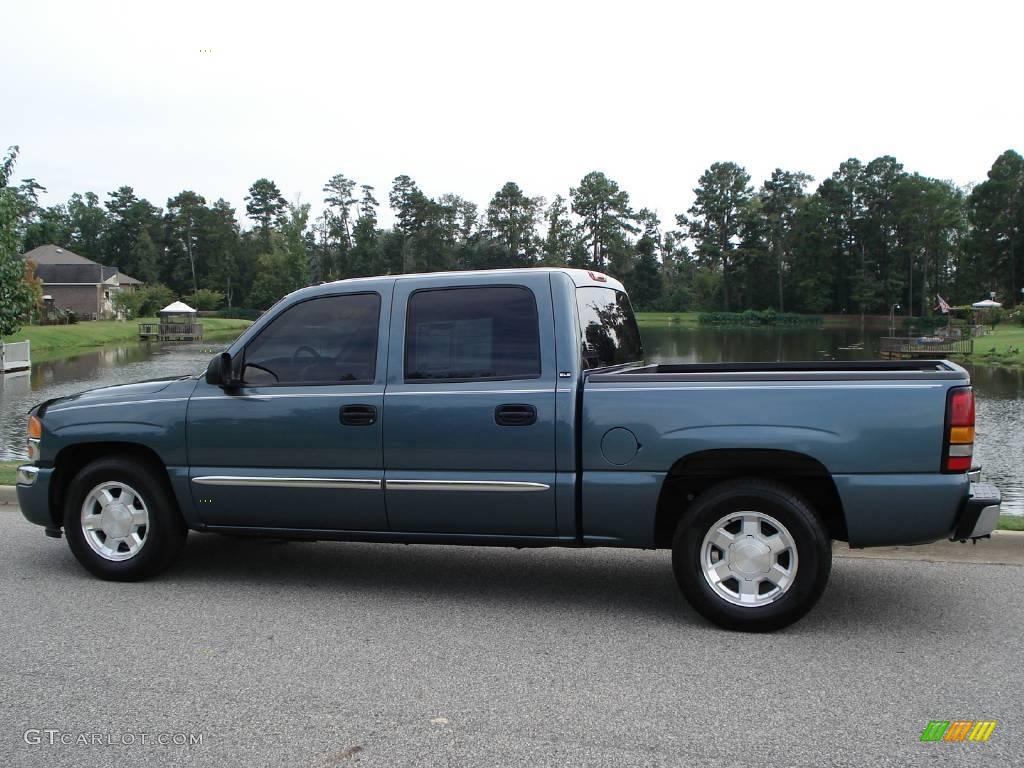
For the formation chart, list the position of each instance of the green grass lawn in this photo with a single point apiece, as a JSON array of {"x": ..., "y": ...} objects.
[
  {"x": 53, "y": 340},
  {"x": 1004, "y": 346},
  {"x": 1011, "y": 522},
  {"x": 669, "y": 319}
]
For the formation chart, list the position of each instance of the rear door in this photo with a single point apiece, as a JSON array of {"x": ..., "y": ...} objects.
[
  {"x": 469, "y": 410},
  {"x": 298, "y": 444}
]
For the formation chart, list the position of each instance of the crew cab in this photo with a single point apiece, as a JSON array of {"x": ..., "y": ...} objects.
[{"x": 513, "y": 407}]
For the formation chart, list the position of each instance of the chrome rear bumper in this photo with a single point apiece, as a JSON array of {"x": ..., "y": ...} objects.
[{"x": 979, "y": 515}]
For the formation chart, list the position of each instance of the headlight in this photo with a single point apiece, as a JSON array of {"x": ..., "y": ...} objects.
[{"x": 35, "y": 435}]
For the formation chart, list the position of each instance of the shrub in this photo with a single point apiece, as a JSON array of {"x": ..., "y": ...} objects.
[
  {"x": 758, "y": 317},
  {"x": 145, "y": 301},
  {"x": 926, "y": 325},
  {"x": 205, "y": 299}
]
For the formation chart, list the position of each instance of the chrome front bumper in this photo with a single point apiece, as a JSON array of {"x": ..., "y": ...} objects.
[
  {"x": 27, "y": 474},
  {"x": 33, "y": 486}
]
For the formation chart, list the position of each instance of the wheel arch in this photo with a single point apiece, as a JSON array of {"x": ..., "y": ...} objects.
[
  {"x": 690, "y": 475},
  {"x": 70, "y": 460}
]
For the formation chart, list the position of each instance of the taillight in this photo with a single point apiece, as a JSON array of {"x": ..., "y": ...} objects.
[{"x": 960, "y": 430}]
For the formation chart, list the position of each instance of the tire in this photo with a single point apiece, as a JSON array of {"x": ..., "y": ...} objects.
[
  {"x": 121, "y": 537},
  {"x": 751, "y": 555}
]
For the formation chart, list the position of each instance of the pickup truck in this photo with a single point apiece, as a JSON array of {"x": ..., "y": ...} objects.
[{"x": 513, "y": 407}]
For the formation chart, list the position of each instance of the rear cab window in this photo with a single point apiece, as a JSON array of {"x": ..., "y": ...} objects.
[
  {"x": 475, "y": 333},
  {"x": 609, "y": 333}
]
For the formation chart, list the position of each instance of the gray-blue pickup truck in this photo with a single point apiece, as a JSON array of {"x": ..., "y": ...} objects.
[{"x": 513, "y": 407}]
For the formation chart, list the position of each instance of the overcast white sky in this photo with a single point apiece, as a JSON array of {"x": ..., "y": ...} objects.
[{"x": 463, "y": 96}]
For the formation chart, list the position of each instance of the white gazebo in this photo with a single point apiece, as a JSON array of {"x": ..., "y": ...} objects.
[
  {"x": 177, "y": 308},
  {"x": 177, "y": 323},
  {"x": 981, "y": 308}
]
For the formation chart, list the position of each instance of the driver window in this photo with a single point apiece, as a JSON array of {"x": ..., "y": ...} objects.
[{"x": 329, "y": 340}]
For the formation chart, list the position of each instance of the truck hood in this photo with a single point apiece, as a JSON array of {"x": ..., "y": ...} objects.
[{"x": 117, "y": 392}]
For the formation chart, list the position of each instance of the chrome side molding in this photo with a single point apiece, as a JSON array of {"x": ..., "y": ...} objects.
[
  {"x": 291, "y": 482},
  {"x": 465, "y": 485},
  {"x": 500, "y": 486}
]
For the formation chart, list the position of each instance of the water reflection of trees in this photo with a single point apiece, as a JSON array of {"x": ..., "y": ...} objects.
[{"x": 611, "y": 334}]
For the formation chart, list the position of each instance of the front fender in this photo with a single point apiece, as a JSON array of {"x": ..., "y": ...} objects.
[{"x": 157, "y": 425}]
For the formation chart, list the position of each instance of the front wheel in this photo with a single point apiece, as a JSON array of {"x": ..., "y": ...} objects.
[
  {"x": 751, "y": 555},
  {"x": 121, "y": 520}
]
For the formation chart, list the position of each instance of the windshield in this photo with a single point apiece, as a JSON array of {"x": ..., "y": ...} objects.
[{"x": 609, "y": 330}]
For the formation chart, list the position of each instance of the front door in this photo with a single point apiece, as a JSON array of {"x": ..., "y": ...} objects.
[
  {"x": 469, "y": 410},
  {"x": 298, "y": 444}
]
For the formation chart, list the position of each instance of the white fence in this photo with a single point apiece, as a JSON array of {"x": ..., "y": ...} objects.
[{"x": 15, "y": 357}]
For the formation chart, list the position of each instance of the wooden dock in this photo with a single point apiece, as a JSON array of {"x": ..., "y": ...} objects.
[
  {"x": 16, "y": 356},
  {"x": 171, "y": 331},
  {"x": 924, "y": 347}
]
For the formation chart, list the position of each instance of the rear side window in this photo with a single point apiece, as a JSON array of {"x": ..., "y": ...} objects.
[
  {"x": 610, "y": 333},
  {"x": 474, "y": 333},
  {"x": 329, "y": 340}
]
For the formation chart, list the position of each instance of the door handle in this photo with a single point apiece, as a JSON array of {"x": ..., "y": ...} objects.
[
  {"x": 358, "y": 415},
  {"x": 515, "y": 415}
]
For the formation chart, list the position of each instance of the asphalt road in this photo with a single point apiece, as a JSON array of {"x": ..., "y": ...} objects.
[{"x": 383, "y": 655}]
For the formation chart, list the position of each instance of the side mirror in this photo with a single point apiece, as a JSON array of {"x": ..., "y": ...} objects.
[{"x": 218, "y": 372}]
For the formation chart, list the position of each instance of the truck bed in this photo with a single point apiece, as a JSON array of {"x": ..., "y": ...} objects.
[{"x": 838, "y": 370}]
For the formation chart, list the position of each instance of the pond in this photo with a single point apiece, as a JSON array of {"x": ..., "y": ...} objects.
[{"x": 1000, "y": 391}]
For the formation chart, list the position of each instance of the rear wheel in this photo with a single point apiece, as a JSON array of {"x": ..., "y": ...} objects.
[
  {"x": 121, "y": 520},
  {"x": 751, "y": 555}
]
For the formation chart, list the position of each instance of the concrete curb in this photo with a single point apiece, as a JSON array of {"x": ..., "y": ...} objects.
[{"x": 1004, "y": 548}]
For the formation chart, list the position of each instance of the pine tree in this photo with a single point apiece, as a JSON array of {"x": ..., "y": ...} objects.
[
  {"x": 606, "y": 214},
  {"x": 722, "y": 193}
]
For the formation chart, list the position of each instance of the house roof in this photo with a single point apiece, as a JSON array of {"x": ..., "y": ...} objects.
[
  {"x": 59, "y": 265},
  {"x": 54, "y": 254},
  {"x": 88, "y": 273}
]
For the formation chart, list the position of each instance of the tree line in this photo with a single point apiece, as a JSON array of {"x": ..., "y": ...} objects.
[{"x": 869, "y": 236}]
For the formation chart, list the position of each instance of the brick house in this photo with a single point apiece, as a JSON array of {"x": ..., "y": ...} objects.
[{"x": 79, "y": 284}]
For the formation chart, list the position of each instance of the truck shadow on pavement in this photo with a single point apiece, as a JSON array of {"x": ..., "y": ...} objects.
[
  {"x": 547, "y": 578},
  {"x": 862, "y": 595}
]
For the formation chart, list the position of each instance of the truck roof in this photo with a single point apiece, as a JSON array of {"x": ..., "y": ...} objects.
[{"x": 580, "y": 277}]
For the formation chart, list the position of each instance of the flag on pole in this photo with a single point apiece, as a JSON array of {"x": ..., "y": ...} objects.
[{"x": 943, "y": 305}]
